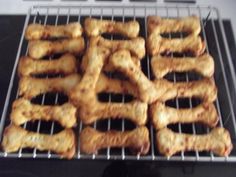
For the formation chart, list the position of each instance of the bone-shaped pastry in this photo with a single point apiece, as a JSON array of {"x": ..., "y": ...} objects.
[
  {"x": 30, "y": 87},
  {"x": 157, "y": 45},
  {"x": 162, "y": 89},
  {"x": 136, "y": 46},
  {"x": 112, "y": 85},
  {"x": 107, "y": 66},
  {"x": 203, "y": 65},
  {"x": 84, "y": 92},
  {"x": 38, "y": 31},
  {"x": 23, "y": 111},
  {"x": 62, "y": 143},
  {"x": 121, "y": 60},
  {"x": 97, "y": 56},
  {"x": 134, "y": 111},
  {"x": 217, "y": 141},
  {"x": 64, "y": 65},
  {"x": 39, "y": 49},
  {"x": 162, "y": 115},
  {"x": 204, "y": 89},
  {"x": 95, "y": 27},
  {"x": 159, "y": 25},
  {"x": 137, "y": 140}
]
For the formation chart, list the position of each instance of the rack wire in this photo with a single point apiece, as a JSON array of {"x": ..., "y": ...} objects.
[{"x": 213, "y": 34}]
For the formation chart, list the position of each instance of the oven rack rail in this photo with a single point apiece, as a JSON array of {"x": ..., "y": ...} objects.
[{"x": 225, "y": 77}]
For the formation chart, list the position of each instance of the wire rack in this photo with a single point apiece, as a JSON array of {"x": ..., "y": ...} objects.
[{"x": 212, "y": 32}]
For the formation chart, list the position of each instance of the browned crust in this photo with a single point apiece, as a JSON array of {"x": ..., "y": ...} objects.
[
  {"x": 136, "y": 45},
  {"x": 65, "y": 65},
  {"x": 218, "y": 141},
  {"x": 23, "y": 111},
  {"x": 203, "y": 65},
  {"x": 30, "y": 87},
  {"x": 158, "y": 25},
  {"x": 62, "y": 143},
  {"x": 39, "y": 48},
  {"x": 162, "y": 115},
  {"x": 96, "y": 27},
  {"x": 38, "y": 31},
  {"x": 157, "y": 45},
  {"x": 91, "y": 140}
]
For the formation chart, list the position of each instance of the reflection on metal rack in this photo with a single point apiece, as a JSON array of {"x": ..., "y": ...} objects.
[{"x": 212, "y": 29}]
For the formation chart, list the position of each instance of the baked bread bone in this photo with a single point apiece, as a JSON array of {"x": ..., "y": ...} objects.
[
  {"x": 62, "y": 143},
  {"x": 113, "y": 85},
  {"x": 158, "y": 25},
  {"x": 135, "y": 111},
  {"x": 204, "y": 89},
  {"x": 39, "y": 48},
  {"x": 218, "y": 141},
  {"x": 161, "y": 89},
  {"x": 162, "y": 115},
  {"x": 157, "y": 45},
  {"x": 121, "y": 60},
  {"x": 65, "y": 65},
  {"x": 38, "y": 31},
  {"x": 23, "y": 111},
  {"x": 96, "y": 27},
  {"x": 136, "y": 45},
  {"x": 83, "y": 95},
  {"x": 137, "y": 140},
  {"x": 203, "y": 65},
  {"x": 30, "y": 87},
  {"x": 107, "y": 66}
]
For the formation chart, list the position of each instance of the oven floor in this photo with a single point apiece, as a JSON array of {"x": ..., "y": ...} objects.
[{"x": 10, "y": 32}]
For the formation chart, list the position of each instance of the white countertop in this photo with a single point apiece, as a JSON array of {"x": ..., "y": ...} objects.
[{"x": 227, "y": 7}]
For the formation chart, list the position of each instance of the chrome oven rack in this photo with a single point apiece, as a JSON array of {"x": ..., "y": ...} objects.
[{"x": 213, "y": 34}]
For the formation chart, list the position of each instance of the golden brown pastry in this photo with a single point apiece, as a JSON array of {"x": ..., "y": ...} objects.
[
  {"x": 161, "y": 89},
  {"x": 23, "y": 111},
  {"x": 218, "y": 141},
  {"x": 62, "y": 143},
  {"x": 137, "y": 140},
  {"x": 96, "y": 27},
  {"x": 39, "y": 48},
  {"x": 203, "y": 65},
  {"x": 38, "y": 31},
  {"x": 83, "y": 94},
  {"x": 204, "y": 89},
  {"x": 136, "y": 46},
  {"x": 134, "y": 111},
  {"x": 122, "y": 61},
  {"x": 162, "y": 115},
  {"x": 107, "y": 66},
  {"x": 158, "y": 45},
  {"x": 30, "y": 87},
  {"x": 64, "y": 65},
  {"x": 159, "y": 25},
  {"x": 113, "y": 85}
]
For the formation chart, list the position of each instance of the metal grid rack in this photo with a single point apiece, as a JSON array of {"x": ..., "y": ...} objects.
[{"x": 212, "y": 32}]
